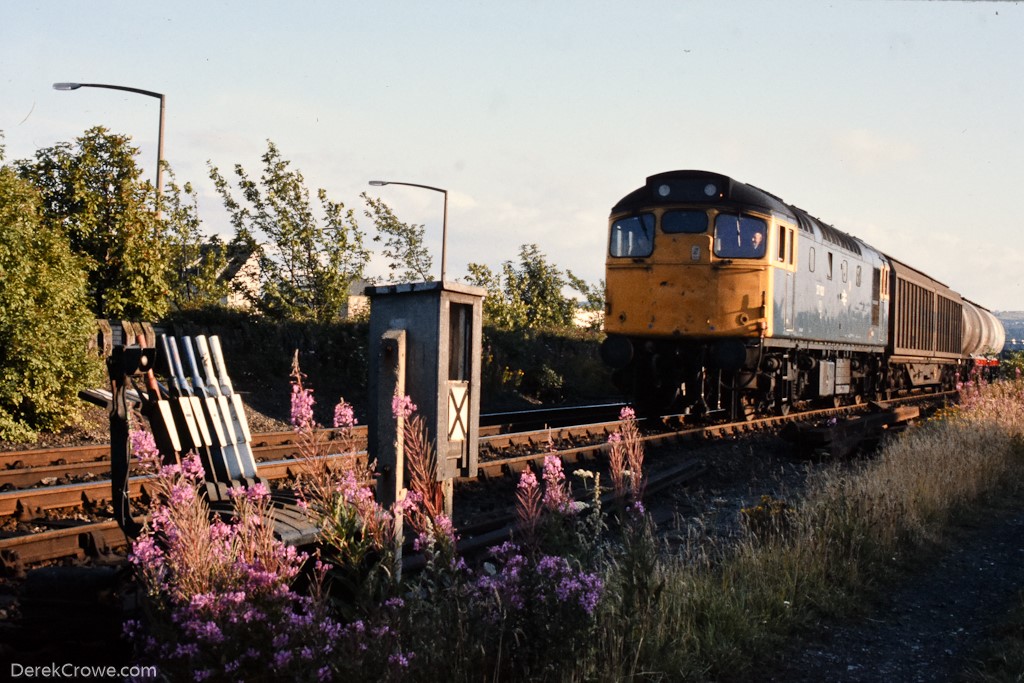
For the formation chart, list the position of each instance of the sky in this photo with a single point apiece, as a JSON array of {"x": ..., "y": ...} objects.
[{"x": 900, "y": 122}]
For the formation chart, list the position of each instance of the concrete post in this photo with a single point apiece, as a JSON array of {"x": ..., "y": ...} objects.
[{"x": 390, "y": 454}]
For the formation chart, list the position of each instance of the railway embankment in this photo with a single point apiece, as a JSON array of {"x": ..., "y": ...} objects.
[{"x": 888, "y": 567}]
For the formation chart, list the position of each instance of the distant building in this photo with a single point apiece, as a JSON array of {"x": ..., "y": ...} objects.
[
  {"x": 358, "y": 304},
  {"x": 242, "y": 275},
  {"x": 588, "y": 320}
]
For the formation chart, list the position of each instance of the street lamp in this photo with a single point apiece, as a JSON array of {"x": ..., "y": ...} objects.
[
  {"x": 444, "y": 224},
  {"x": 160, "y": 137}
]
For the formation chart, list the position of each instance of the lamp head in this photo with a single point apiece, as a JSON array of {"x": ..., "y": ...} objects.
[
  {"x": 67, "y": 86},
  {"x": 378, "y": 183}
]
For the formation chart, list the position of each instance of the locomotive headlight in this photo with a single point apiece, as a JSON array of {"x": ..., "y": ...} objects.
[
  {"x": 664, "y": 190},
  {"x": 710, "y": 189}
]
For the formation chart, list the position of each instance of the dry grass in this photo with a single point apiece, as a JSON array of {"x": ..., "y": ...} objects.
[{"x": 722, "y": 608}]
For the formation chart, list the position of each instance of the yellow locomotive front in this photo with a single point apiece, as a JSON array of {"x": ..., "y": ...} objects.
[
  {"x": 670, "y": 275},
  {"x": 690, "y": 271}
]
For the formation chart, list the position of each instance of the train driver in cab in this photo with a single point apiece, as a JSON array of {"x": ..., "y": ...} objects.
[
  {"x": 757, "y": 243},
  {"x": 739, "y": 236}
]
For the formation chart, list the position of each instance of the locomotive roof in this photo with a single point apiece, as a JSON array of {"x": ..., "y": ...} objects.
[
  {"x": 694, "y": 186},
  {"x": 689, "y": 186}
]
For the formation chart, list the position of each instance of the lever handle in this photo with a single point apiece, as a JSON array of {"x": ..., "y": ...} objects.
[
  {"x": 182, "y": 382},
  {"x": 190, "y": 359},
  {"x": 204, "y": 356},
  {"x": 222, "y": 370}
]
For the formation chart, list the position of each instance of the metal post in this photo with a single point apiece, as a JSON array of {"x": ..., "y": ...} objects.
[
  {"x": 160, "y": 136},
  {"x": 444, "y": 245},
  {"x": 160, "y": 161},
  {"x": 444, "y": 225}
]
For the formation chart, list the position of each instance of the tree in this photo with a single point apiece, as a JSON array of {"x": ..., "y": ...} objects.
[
  {"x": 45, "y": 320},
  {"x": 307, "y": 265},
  {"x": 194, "y": 266},
  {"x": 503, "y": 307},
  {"x": 593, "y": 298},
  {"x": 408, "y": 258},
  {"x": 529, "y": 295},
  {"x": 92, "y": 194}
]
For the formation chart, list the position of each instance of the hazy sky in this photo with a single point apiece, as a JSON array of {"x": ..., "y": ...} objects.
[{"x": 899, "y": 122}]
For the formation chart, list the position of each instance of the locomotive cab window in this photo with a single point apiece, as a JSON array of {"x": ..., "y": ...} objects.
[
  {"x": 684, "y": 221},
  {"x": 782, "y": 244},
  {"x": 739, "y": 236},
  {"x": 633, "y": 236}
]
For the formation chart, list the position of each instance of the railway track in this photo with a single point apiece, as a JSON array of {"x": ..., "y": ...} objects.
[{"x": 55, "y": 532}]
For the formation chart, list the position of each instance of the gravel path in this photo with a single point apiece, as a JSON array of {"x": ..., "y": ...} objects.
[{"x": 929, "y": 628}]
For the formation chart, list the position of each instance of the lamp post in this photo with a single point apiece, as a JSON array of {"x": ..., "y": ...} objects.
[
  {"x": 444, "y": 224},
  {"x": 160, "y": 137}
]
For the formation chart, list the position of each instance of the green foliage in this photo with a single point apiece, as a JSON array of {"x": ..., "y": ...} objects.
[
  {"x": 529, "y": 295},
  {"x": 193, "y": 266},
  {"x": 408, "y": 258},
  {"x": 44, "y": 318},
  {"x": 1012, "y": 365},
  {"x": 543, "y": 366},
  {"x": 593, "y": 295},
  {"x": 92, "y": 192},
  {"x": 308, "y": 264}
]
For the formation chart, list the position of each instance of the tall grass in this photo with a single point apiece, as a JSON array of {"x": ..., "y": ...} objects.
[{"x": 722, "y": 608}]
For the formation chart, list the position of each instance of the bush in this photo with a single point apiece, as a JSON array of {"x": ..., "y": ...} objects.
[
  {"x": 550, "y": 367},
  {"x": 547, "y": 366},
  {"x": 261, "y": 350},
  {"x": 45, "y": 322}
]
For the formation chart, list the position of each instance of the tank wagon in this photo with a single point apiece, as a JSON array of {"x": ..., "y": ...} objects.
[{"x": 722, "y": 297}]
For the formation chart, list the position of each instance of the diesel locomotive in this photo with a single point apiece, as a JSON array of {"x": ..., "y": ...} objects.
[{"x": 722, "y": 298}]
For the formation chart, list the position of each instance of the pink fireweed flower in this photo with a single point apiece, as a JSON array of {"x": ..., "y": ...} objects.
[
  {"x": 192, "y": 468},
  {"x": 258, "y": 492},
  {"x": 408, "y": 504},
  {"x": 527, "y": 480},
  {"x": 181, "y": 495},
  {"x": 302, "y": 408},
  {"x": 344, "y": 416},
  {"x": 444, "y": 528},
  {"x": 627, "y": 413},
  {"x": 146, "y": 552},
  {"x": 556, "y": 495},
  {"x": 402, "y": 407},
  {"x": 143, "y": 445},
  {"x": 614, "y": 438},
  {"x": 528, "y": 501}
]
